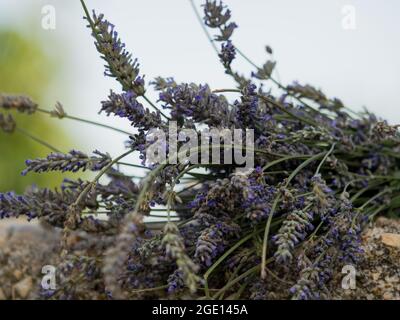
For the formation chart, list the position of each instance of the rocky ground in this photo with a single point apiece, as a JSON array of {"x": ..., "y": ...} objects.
[
  {"x": 378, "y": 277},
  {"x": 26, "y": 248}
]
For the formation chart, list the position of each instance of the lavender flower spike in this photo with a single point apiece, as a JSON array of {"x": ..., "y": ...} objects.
[
  {"x": 125, "y": 105},
  {"x": 119, "y": 61},
  {"x": 72, "y": 161},
  {"x": 217, "y": 16},
  {"x": 22, "y": 104}
]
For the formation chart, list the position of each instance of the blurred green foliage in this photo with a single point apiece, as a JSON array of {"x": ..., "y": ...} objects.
[{"x": 25, "y": 69}]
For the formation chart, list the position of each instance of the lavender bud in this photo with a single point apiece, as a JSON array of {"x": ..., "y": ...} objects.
[
  {"x": 22, "y": 104},
  {"x": 72, "y": 161}
]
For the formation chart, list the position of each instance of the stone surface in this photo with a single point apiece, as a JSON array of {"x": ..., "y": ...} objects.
[
  {"x": 24, "y": 249},
  {"x": 388, "y": 296},
  {"x": 2, "y": 295},
  {"x": 391, "y": 239},
  {"x": 378, "y": 276},
  {"x": 23, "y": 287}
]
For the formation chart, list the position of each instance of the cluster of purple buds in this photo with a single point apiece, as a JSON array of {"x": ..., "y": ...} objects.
[
  {"x": 302, "y": 290},
  {"x": 22, "y": 104},
  {"x": 175, "y": 282},
  {"x": 196, "y": 102},
  {"x": 19, "y": 103},
  {"x": 247, "y": 109},
  {"x": 125, "y": 105},
  {"x": 227, "y": 54},
  {"x": 213, "y": 241},
  {"x": 72, "y": 161},
  {"x": 42, "y": 203},
  {"x": 120, "y": 64},
  {"x": 217, "y": 16},
  {"x": 175, "y": 248},
  {"x": 293, "y": 230}
]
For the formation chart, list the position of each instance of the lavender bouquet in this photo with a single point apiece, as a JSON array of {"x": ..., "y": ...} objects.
[{"x": 273, "y": 208}]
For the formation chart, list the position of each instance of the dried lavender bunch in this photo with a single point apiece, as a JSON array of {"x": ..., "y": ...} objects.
[{"x": 281, "y": 230}]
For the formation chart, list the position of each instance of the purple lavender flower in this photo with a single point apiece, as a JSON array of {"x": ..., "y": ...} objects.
[
  {"x": 196, "y": 102},
  {"x": 227, "y": 53},
  {"x": 175, "y": 282},
  {"x": 22, "y": 104},
  {"x": 119, "y": 61},
  {"x": 72, "y": 161},
  {"x": 125, "y": 105},
  {"x": 293, "y": 231},
  {"x": 247, "y": 110},
  {"x": 213, "y": 240},
  {"x": 43, "y": 203},
  {"x": 215, "y": 15}
]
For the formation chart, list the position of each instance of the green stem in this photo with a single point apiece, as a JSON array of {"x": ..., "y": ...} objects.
[
  {"x": 373, "y": 198},
  {"x": 324, "y": 159},
  {"x": 373, "y": 214},
  {"x": 236, "y": 280},
  {"x": 227, "y": 90},
  {"x": 38, "y": 140},
  {"x": 150, "y": 289},
  {"x": 132, "y": 165},
  {"x": 246, "y": 58},
  {"x": 86, "y": 121},
  {"x": 203, "y": 27},
  {"x": 272, "y": 163},
  {"x": 189, "y": 187},
  {"x": 359, "y": 193},
  {"x": 222, "y": 258}
]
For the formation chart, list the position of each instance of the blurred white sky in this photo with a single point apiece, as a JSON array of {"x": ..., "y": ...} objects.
[{"x": 361, "y": 66}]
